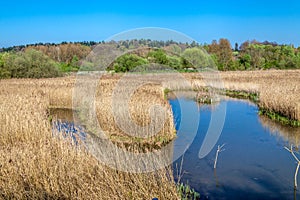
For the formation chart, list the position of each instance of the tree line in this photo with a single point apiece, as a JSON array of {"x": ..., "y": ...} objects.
[
  {"x": 252, "y": 55},
  {"x": 51, "y": 60}
]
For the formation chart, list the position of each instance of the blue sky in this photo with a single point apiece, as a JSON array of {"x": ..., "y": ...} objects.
[{"x": 25, "y": 22}]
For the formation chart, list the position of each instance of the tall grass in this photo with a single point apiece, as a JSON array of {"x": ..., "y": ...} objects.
[
  {"x": 36, "y": 165},
  {"x": 278, "y": 90}
]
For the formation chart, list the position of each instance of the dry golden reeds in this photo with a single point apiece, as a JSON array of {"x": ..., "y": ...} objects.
[
  {"x": 278, "y": 90},
  {"x": 36, "y": 165}
]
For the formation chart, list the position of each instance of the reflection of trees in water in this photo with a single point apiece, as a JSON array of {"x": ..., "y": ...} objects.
[
  {"x": 188, "y": 94},
  {"x": 192, "y": 95},
  {"x": 290, "y": 134},
  {"x": 63, "y": 114}
]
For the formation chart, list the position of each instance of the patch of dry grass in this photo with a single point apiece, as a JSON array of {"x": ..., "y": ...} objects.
[
  {"x": 139, "y": 104},
  {"x": 279, "y": 90},
  {"x": 36, "y": 165}
]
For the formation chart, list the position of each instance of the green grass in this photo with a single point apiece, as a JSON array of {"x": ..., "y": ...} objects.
[
  {"x": 243, "y": 95},
  {"x": 187, "y": 193},
  {"x": 280, "y": 118},
  {"x": 166, "y": 92}
]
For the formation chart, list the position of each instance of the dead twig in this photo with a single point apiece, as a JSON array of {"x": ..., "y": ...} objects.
[
  {"x": 298, "y": 164},
  {"x": 217, "y": 154}
]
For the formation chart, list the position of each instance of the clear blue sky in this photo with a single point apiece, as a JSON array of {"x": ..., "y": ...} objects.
[{"x": 28, "y": 21}]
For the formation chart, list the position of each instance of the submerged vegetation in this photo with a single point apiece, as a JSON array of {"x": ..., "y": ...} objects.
[{"x": 187, "y": 193}]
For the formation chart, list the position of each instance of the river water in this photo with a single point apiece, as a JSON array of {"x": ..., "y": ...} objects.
[{"x": 253, "y": 163}]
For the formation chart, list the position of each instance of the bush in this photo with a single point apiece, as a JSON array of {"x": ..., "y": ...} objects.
[
  {"x": 158, "y": 56},
  {"x": 28, "y": 64},
  {"x": 128, "y": 62}
]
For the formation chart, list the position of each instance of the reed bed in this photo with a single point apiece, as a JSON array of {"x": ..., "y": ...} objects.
[
  {"x": 140, "y": 105},
  {"x": 36, "y": 165},
  {"x": 278, "y": 90}
]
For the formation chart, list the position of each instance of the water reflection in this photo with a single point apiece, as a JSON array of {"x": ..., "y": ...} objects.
[
  {"x": 288, "y": 133},
  {"x": 63, "y": 114},
  {"x": 63, "y": 125}
]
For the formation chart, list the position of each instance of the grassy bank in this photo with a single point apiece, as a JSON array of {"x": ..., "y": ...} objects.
[
  {"x": 279, "y": 118},
  {"x": 278, "y": 90},
  {"x": 254, "y": 97},
  {"x": 243, "y": 95}
]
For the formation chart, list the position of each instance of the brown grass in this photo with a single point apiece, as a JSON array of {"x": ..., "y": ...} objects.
[
  {"x": 36, "y": 165},
  {"x": 139, "y": 103},
  {"x": 279, "y": 90}
]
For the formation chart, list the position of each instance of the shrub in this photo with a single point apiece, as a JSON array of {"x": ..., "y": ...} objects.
[{"x": 28, "y": 64}]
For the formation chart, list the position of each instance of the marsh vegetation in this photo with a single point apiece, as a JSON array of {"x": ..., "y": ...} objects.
[{"x": 34, "y": 164}]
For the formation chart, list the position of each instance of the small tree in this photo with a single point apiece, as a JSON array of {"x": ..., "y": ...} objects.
[
  {"x": 128, "y": 62},
  {"x": 197, "y": 57},
  {"x": 28, "y": 64},
  {"x": 158, "y": 56},
  {"x": 4, "y": 70}
]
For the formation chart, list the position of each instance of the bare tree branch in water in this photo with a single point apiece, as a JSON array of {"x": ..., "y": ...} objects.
[
  {"x": 291, "y": 150},
  {"x": 217, "y": 154}
]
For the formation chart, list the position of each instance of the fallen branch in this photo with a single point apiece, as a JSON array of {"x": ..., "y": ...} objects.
[
  {"x": 217, "y": 154},
  {"x": 298, "y": 161}
]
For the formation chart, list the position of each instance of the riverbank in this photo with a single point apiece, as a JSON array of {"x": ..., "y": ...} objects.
[{"x": 278, "y": 90}]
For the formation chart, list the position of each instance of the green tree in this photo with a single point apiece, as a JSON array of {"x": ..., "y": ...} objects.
[
  {"x": 223, "y": 53},
  {"x": 175, "y": 62},
  {"x": 236, "y": 47},
  {"x": 245, "y": 61},
  {"x": 4, "y": 65},
  {"x": 28, "y": 64},
  {"x": 158, "y": 56},
  {"x": 173, "y": 48},
  {"x": 128, "y": 62},
  {"x": 197, "y": 57}
]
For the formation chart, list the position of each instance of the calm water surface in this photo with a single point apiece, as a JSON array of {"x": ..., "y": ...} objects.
[{"x": 254, "y": 164}]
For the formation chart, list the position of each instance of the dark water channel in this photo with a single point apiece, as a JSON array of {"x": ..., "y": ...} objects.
[{"x": 254, "y": 164}]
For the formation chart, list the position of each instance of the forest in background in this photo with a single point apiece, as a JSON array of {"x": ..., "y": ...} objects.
[{"x": 44, "y": 60}]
